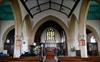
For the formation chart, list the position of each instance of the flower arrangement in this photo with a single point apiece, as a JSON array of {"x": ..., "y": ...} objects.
[{"x": 36, "y": 50}]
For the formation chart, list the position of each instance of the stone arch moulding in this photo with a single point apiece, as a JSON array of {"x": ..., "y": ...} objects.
[
  {"x": 95, "y": 33},
  {"x": 6, "y": 32},
  {"x": 27, "y": 21},
  {"x": 73, "y": 19},
  {"x": 45, "y": 19},
  {"x": 46, "y": 13}
]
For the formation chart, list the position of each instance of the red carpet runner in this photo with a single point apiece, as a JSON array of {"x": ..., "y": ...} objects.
[{"x": 50, "y": 56}]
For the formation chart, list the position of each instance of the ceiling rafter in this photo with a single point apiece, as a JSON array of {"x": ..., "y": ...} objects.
[
  {"x": 76, "y": 3},
  {"x": 49, "y": 4},
  {"x": 61, "y": 5},
  {"x": 62, "y": 8},
  {"x": 23, "y": 2},
  {"x": 38, "y": 5}
]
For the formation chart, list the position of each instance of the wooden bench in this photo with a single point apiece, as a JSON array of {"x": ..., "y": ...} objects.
[
  {"x": 72, "y": 59},
  {"x": 21, "y": 59},
  {"x": 69, "y": 59},
  {"x": 94, "y": 58},
  {"x": 61, "y": 59},
  {"x": 79, "y": 59}
]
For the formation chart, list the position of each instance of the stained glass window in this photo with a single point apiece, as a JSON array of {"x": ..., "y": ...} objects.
[{"x": 50, "y": 34}]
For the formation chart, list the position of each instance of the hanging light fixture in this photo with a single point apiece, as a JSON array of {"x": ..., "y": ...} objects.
[
  {"x": 34, "y": 44},
  {"x": 8, "y": 41}
]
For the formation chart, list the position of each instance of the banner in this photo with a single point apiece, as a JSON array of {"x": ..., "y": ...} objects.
[{"x": 82, "y": 42}]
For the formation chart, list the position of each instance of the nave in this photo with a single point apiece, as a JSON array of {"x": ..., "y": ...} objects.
[{"x": 49, "y": 31}]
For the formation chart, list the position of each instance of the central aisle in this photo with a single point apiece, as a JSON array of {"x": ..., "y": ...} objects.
[{"x": 50, "y": 57}]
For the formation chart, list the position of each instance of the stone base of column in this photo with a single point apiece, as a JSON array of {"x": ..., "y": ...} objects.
[
  {"x": 83, "y": 52},
  {"x": 17, "y": 48}
]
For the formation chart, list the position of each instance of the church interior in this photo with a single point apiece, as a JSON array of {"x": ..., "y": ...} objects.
[{"x": 49, "y": 30}]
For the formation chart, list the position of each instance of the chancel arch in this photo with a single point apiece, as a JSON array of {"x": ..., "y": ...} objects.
[
  {"x": 50, "y": 17},
  {"x": 52, "y": 34}
]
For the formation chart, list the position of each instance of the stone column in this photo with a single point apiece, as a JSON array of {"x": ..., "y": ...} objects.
[
  {"x": 27, "y": 34},
  {"x": 18, "y": 22},
  {"x": 1, "y": 43},
  {"x": 82, "y": 29},
  {"x": 29, "y": 29},
  {"x": 71, "y": 36},
  {"x": 24, "y": 45}
]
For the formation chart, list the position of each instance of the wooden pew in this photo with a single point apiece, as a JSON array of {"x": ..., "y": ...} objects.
[
  {"x": 21, "y": 59},
  {"x": 5, "y": 59},
  {"x": 94, "y": 58},
  {"x": 79, "y": 59},
  {"x": 72, "y": 59},
  {"x": 69, "y": 59},
  {"x": 61, "y": 59}
]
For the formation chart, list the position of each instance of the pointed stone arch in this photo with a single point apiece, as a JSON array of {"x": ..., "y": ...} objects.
[
  {"x": 50, "y": 17},
  {"x": 92, "y": 33},
  {"x": 50, "y": 20},
  {"x": 95, "y": 33},
  {"x": 6, "y": 32}
]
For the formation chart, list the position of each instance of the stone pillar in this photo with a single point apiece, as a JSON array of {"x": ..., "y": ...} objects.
[
  {"x": 24, "y": 45},
  {"x": 18, "y": 22},
  {"x": 29, "y": 29},
  {"x": 71, "y": 36},
  {"x": 27, "y": 34},
  {"x": 82, "y": 29}
]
